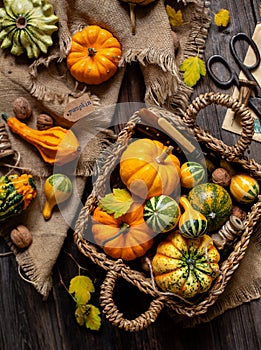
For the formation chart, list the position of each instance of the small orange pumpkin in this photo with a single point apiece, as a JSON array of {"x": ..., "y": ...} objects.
[
  {"x": 94, "y": 55},
  {"x": 127, "y": 237},
  {"x": 148, "y": 168}
]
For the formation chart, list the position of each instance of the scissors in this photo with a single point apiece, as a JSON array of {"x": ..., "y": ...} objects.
[{"x": 254, "y": 102}]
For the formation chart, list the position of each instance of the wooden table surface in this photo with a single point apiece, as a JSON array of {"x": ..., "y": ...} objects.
[{"x": 28, "y": 322}]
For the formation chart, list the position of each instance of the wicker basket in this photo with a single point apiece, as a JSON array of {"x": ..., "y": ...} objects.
[{"x": 118, "y": 268}]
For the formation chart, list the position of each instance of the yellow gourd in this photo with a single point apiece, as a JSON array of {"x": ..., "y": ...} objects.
[
  {"x": 57, "y": 189},
  {"x": 56, "y": 145}
]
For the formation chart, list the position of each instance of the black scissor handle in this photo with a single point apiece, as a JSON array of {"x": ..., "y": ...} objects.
[
  {"x": 221, "y": 60},
  {"x": 252, "y": 44}
]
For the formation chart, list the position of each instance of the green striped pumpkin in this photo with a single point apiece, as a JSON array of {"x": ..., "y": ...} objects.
[
  {"x": 192, "y": 223},
  {"x": 244, "y": 188},
  {"x": 192, "y": 173},
  {"x": 16, "y": 193},
  {"x": 213, "y": 201},
  {"x": 161, "y": 213}
]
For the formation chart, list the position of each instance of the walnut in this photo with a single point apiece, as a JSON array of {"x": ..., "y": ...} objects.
[
  {"x": 22, "y": 108},
  {"x": 44, "y": 122},
  {"x": 21, "y": 237},
  {"x": 240, "y": 213},
  {"x": 220, "y": 176}
]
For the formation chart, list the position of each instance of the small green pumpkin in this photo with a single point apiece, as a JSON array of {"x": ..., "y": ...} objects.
[
  {"x": 16, "y": 193},
  {"x": 192, "y": 173},
  {"x": 192, "y": 223},
  {"x": 213, "y": 201},
  {"x": 27, "y": 26},
  {"x": 161, "y": 213},
  {"x": 244, "y": 188}
]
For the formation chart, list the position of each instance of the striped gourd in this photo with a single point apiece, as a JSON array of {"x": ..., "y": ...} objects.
[
  {"x": 213, "y": 201},
  {"x": 192, "y": 223},
  {"x": 16, "y": 193},
  {"x": 244, "y": 188},
  {"x": 192, "y": 173},
  {"x": 161, "y": 213}
]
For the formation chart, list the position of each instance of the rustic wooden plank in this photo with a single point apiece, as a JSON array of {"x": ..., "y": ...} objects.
[{"x": 27, "y": 322}]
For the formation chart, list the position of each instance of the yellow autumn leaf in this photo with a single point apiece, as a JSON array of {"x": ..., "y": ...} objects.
[
  {"x": 222, "y": 18},
  {"x": 175, "y": 17},
  {"x": 88, "y": 315},
  {"x": 81, "y": 287},
  {"x": 193, "y": 68}
]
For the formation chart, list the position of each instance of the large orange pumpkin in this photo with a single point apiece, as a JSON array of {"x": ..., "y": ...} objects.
[
  {"x": 148, "y": 169},
  {"x": 94, "y": 55},
  {"x": 127, "y": 237}
]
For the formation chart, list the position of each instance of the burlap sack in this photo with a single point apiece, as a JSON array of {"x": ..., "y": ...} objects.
[{"x": 47, "y": 84}]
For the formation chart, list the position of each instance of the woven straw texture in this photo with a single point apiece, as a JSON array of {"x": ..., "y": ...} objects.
[{"x": 117, "y": 268}]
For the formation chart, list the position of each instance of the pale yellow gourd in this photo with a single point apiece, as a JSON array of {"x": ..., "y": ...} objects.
[{"x": 57, "y": 189}]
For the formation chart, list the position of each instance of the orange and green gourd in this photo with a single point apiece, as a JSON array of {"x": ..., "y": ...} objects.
[
  {"x": 185, "y": 266},
  {"x": 213, "y": 201},
  {"x": 192, "y": 223},
  {"x": 244, "y": 188},
  {"x": 16, "y": 193}
]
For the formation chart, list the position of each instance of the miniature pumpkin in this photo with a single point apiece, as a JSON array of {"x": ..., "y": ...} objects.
[
  {"x": 132, "y": 4},
  {"x": 161, "y": 213},
  {"x": 213, "y": 201},
  {"x": 56, "y": 145},
  {"x": 94, "y": 55},
  {"x": 244, "y": 188},
  {"x": 148, "y": 168},
  {"x": 192, "y": 223},
  {"x": 126, "y": 237},
  {"x": 192, "y": 173},
  {"x": 16, "y": 193},
  {"x": 57, "y": 189},
  {"x": 27, "y": 26},
  {"x": 185, "y": 266}
]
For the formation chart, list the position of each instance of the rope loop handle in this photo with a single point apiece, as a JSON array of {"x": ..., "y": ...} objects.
[
  {"x": 241, "y": 111},
  {"x": 116, "y": 317}
]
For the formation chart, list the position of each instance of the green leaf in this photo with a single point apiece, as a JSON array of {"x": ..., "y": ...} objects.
[
  {"x": 81, "y": 287},
  {"x": 175, "y": 17},
  {"x": 193, "y": 68},
  {"x": 88, "y": 315},
  {"x": 118, "y": 202},
  {"x": 222, "y": 18}
]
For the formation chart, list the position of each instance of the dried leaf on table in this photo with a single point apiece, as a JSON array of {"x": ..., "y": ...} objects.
[
  {"x": 193, "y": 68},
  {"x": 175, "y": 17},
  {"x": 88, "y": 315},
  {"x": 222, "y": 18}
]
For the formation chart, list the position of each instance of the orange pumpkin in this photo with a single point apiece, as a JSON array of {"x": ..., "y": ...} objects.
[
  {"x": 127, "y": 237},
  {"x": 94, "y": 55},
  {"x": 148, "y": 169}
]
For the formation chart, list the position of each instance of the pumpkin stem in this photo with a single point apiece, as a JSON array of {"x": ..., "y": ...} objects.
[
  {"x": 160, "y": 159},
  {"x": 122, "y": 230},
  {"x": 91, "y": 51},
  {"x": 132, "y": 18},
  {"x": 21, "y": 22}
]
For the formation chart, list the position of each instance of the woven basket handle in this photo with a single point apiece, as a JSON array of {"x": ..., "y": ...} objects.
[
  {"x": 116, "y": 318},
  {"x": 246, "y": 121}
]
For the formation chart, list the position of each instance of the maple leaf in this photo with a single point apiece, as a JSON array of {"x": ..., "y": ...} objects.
[
  {"x": 88, "y": 315},
  {"x": 118, "y": 202},
  {"x": 222, "y": 18},
  {"x": 81, "y": 287},
  {"x": 175, "y": 17},
  {"x": 193, "y": 68}
]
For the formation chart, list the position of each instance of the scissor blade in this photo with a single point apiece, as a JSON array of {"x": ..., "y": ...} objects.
[{"x": 255, "y": 104}]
